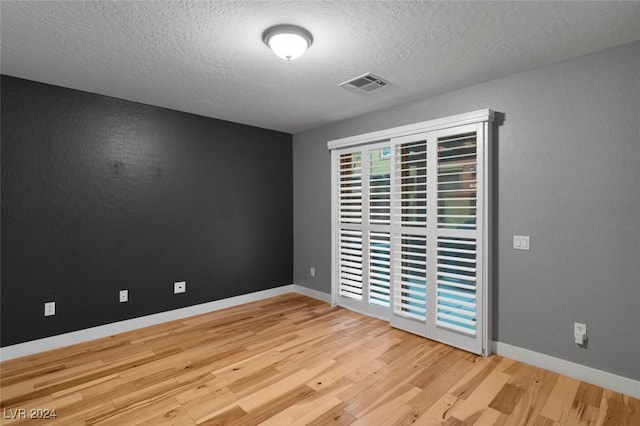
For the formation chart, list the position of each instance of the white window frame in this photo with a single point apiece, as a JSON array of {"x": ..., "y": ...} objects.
[{"x": 377, "y": 139}]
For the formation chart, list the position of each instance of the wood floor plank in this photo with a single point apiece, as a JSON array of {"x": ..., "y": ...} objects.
[
  {"x": 507, "y": 399},
  {"x": 281, "y": 387},
  {"x": 439, "y": 412},
  {"x": 490, "y": 417},
  {"x": 618, "y": 409},
  {"x": 294, "y": 360},
  {"x": 227, "y": 417},
  {"x": 140, "y": 413},
  {"x": 437, "y": 386},
  {"x": 272, "y": 408},
  {"x": 561, "y": 399},
  {"x": 337, "y": 416},
  {"x": 309, "y": 408},
  {"x": 481, "y": 396},
  {"x": 390, "y": 411}
]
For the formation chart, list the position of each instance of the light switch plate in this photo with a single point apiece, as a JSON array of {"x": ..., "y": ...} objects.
[
  {"x": 516, "y": 242},
  {"x": 521, "y": 242}
]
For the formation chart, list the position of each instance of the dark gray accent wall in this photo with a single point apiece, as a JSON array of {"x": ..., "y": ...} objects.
[
  {"x": 101, "y": 194},
  {"x": 567, "y": 174}
]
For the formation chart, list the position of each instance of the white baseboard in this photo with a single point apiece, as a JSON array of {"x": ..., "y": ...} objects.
[
  {"x": 314, "y": 294},
  {"x": 577, "y": 371}
]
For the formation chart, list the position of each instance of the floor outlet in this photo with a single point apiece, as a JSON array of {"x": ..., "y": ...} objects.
[
  {"x": 179, "y": 287},
  {"x": 49, "y": 309}
]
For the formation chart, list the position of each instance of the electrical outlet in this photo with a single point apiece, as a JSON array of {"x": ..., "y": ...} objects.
[
  {"x": 179, "y": 287},
  {"x": 124, "y": 296},
  {"x": 579, "y": 333},
  {"x": 49, "y": 309},
  {"x": 312, "y": 271}
]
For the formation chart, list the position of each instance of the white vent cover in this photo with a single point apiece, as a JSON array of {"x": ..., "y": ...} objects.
[{"x": 364, "y": 83}]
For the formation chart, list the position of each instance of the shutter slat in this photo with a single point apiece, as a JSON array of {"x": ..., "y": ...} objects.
[
  {"x": 468, "y": 331},
  {"x": 461, "y": 294},
  {"x": 456, "y": 259},
  {"x": 455, "y": 276},
  {"x": 455, "y": 302},
  {"x": 456, "y": 318},
  {"x": 456, "y": 285},
  {"x": 461, "y": 165}
]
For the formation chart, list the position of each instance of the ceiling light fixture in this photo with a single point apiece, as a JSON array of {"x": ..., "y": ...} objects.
[{"x": 287, "y": 41}]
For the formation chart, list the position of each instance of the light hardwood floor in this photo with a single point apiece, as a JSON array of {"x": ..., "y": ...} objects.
[{"x": 293, "y": 360}]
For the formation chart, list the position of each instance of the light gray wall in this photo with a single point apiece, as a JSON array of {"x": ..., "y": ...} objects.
[{"x": 567, "y": 174}]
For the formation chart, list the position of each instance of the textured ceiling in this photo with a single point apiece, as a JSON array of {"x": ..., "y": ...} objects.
[{"x": 208, "y": 57}]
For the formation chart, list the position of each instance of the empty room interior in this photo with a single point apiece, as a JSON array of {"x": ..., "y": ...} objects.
[{"x": 310, "y": 212}]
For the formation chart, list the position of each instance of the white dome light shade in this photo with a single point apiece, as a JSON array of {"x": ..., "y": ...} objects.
[
  {"x": 287, "y": 41},
  {"x": 288, "y": 46}
]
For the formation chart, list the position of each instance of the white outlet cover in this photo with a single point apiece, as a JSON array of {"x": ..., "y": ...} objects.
[
  {"x": 179, "y": 287},
  {"x": 124, "y": 296},
  {"x": 312, "y": 271},
  {"x": 579, "y": 332},
  {"x": 49, "y": 309}
]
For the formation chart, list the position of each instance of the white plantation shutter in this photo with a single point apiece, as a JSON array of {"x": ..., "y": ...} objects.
[
  {"x": 456, "y": 294},
  {"x": 458, "y": 316},
  {"x": 410, "y": 240},
  {"x": 364, "y": 217},
  {"x": 350, "y": 214},
  {"x": 411, "y": 236},
  {"x": 379, "y": 208}
]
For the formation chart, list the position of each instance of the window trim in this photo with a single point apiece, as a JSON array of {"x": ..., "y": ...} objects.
[{"x": 474, "y": 117}]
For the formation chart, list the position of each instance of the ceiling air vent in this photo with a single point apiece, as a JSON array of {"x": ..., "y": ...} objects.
[{"x": 365, "y": 83}]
